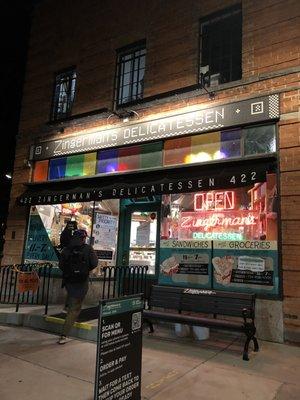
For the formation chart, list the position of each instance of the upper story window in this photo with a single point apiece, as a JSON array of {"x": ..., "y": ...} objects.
[
  {"x": 130, "y": 73},
  {"x": 64, "y": 93},
  {"x": 221, "y": 46}
]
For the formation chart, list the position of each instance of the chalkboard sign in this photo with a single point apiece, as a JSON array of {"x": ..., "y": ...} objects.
[{"x": 119, "y": 349}]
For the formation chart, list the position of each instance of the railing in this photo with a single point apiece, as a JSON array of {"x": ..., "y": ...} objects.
[
  {"x": 9, "y": 293},
  {"x": 123, "y": 281}
]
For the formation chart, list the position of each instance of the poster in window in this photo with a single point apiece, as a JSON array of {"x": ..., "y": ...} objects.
[
  {"x": 105, "y": 235},
  {"x": 246, "y": 266},
  {"x": 185, "y": 263}
]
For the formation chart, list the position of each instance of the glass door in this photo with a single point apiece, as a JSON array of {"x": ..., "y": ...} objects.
[{"x": 140, "y": 244}]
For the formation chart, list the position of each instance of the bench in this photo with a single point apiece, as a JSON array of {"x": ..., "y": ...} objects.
[{"x": 209, "y": 302}]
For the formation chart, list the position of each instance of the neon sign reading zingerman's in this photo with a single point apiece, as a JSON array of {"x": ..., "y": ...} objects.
[{"x": 205, "y": 221}]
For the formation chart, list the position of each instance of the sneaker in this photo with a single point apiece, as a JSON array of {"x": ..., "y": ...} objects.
[{"x": 62, "y": 339}]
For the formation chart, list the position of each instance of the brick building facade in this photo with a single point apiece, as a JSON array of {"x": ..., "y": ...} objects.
[{"x": 87, "y": 34}]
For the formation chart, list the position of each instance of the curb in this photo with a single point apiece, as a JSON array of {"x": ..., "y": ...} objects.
[{"x": 81, "y": 330}]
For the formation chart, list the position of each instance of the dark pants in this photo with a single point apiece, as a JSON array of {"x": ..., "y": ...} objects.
[
  {"x": 76, "y": 294},
  {"x": 74, "y": 308}
]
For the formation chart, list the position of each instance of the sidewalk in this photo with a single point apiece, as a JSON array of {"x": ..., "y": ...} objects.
[{"x": 34, "y": 367}]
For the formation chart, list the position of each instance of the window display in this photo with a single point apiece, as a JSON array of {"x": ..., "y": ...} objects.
[
  {"x": 246, "y": 213},
  {"x": 233, "y": 232},
  {"x": 46, "y": 224},
  {"x": 51, "y": 226}
]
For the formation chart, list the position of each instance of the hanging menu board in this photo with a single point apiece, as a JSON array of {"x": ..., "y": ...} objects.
[
  {"x": 246, "y": 265},
  {"x": 119, "y": 349}
]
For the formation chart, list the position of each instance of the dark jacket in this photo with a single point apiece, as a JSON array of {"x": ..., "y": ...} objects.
[{"x": 89, "y": 256}]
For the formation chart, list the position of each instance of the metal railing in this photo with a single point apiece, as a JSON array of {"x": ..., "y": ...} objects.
[
  {"x": 9, "y": 285},
  {"x": 123, "y": 281}
]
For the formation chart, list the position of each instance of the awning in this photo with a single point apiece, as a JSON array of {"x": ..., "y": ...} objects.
[{"x": 193, "y": 178}]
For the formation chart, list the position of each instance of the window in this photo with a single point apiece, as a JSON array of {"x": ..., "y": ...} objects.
[
  {"x": 130, "y": 73},
  {"x": 64, "y": 93},
  {"x": 221, "y": 46}
]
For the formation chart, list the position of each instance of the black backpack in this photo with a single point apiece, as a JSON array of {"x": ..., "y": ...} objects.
[{"x": 76, "y": 267}]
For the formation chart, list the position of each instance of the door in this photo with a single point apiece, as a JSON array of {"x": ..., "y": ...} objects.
[{"x": 139, "y": 235}]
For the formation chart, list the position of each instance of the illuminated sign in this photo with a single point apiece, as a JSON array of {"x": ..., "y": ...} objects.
[
  {"x": 248, "y": 111},
  {"x": 215, "y": 201},
  {"x": 217, "y": 236},
  {"x": 207, "y": 220}
]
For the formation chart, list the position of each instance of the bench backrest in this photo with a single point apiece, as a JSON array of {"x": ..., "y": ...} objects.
[
  {"x": 166, "y": 297},
  {"x": 203, "y": 301}
]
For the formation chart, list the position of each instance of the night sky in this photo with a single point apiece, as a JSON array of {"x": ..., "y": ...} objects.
[{"x": 14, "y": 28}]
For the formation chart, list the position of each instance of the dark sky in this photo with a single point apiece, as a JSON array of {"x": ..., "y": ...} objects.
[{"x": 14, "y": 33}]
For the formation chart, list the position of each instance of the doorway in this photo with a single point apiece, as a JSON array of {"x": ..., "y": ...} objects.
[{"x": 139, "y": 234}]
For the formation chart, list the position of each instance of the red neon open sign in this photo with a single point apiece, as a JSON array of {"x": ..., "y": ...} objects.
[{"x": 215, "y": 201}]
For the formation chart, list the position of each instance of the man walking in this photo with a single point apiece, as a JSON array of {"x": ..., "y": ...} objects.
[{"x": 76, "y": 261}]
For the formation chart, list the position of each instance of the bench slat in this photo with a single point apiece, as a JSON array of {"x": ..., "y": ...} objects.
[{"x": 191, "y": 320}]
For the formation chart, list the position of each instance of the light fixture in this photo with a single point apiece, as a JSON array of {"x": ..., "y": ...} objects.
[
  {"x": 8, "y": 175},
  {"x": 125, "y": 115},
  {"x": 205, "y": 81}
]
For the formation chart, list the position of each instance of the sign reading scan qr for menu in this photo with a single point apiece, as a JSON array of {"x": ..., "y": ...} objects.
[
  {"x": 119, "y": 349},
  {"x": 246, "y": 266}
]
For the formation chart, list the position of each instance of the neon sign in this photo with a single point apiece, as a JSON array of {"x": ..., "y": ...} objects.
[
  {"x": 214, "y": 201},
  {"x": 217, "y": 236},
  {"x": 226, "y": 219}
]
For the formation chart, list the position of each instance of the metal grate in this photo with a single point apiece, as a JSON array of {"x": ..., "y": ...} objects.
[
  {"x": 64, "y": 94},
  {"x": 221, "y": 46},
  {"x": 130, "y": 74}
]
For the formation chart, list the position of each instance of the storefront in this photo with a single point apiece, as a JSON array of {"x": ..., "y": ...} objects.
[{"x": 193, "y": 196}]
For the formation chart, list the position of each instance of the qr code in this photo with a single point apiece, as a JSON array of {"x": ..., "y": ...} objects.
[{"x": 136, "y": 321}]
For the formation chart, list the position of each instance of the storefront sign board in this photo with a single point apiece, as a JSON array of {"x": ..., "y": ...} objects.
[
  {"x": 224, "y": 178},
  {"x": 185, "y": 263},
  {"x": 119, "y": 349},
  {"x": 244, "y": 112}
]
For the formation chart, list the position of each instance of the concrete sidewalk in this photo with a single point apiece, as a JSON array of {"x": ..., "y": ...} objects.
[{"x": 34, "y": 367}]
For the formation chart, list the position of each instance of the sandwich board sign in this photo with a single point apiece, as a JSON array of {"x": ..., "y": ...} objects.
[{"x": 119, "y": 349}]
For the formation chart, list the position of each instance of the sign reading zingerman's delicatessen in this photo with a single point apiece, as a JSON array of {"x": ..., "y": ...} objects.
[{"x": 220, "y": 117}]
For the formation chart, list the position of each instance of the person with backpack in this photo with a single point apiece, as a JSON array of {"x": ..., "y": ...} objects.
[{"x": 76, "y": 261}]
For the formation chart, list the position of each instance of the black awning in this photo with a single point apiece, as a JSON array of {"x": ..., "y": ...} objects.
[{"x": 193, "y": 178}]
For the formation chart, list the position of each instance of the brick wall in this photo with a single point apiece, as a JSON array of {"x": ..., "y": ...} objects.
[{"x": 88, "y": 38}]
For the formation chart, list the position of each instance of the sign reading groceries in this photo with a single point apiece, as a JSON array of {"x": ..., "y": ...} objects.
[{"x": 245, "y": 265}]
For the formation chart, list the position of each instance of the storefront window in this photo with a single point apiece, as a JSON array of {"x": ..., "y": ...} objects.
[
  {"x": 202, "y": 148},
  {"x": 40, "y": 172},
  {"x": 224, "y": 239},
  {"x": 57, "y": 168},
  {"x": 46, "y": 224},
  {"x": 230, "y": 143},
  {"x": 260, "y": 139},
  {"x": 130, "y": 158}
]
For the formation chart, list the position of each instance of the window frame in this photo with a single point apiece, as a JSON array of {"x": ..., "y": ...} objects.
[
  {"x": 67, "y": 73},
  {"x": 120, "y": 54},
  {"x": 210, "y": 20}
]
